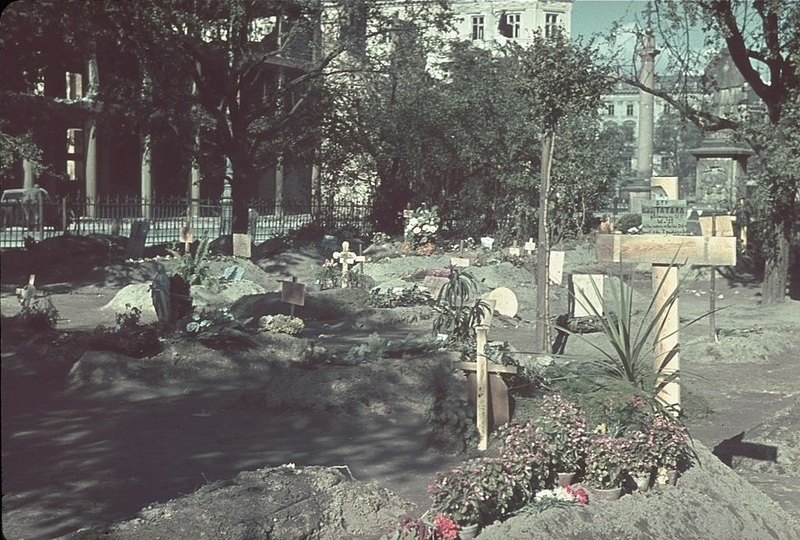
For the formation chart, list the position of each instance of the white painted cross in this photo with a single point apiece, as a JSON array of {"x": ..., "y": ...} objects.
[
  {"x": 665, "y": 252},
  {"x": 530, "y": 246},
  {"x": 28, "y": 292},
  {"x": 347, "y": 258}
]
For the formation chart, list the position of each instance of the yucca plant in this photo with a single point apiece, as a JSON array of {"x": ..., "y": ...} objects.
[
  {"x": 194, "y": 267},
  {"x": 629, "y": 366},
  {"x": 457, "y": 314}
]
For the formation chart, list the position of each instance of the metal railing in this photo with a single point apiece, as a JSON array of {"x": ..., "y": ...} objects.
[{"x": 209, "y": 218}]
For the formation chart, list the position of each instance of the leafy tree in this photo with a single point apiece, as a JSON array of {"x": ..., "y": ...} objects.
[
  {"x": 674, "y": 136},
  {"x": 763, "y": 39}
]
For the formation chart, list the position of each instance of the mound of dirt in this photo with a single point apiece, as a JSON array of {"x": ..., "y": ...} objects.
[
  {"x": 710, "y": 502},
  {"x": 284, "y": 502}
]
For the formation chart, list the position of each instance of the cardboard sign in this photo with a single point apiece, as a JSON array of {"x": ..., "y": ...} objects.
[
  {"x": 293, "y": 293},
  {"x": 460, "y": 262},
  {"x": 241, "y": 245}
]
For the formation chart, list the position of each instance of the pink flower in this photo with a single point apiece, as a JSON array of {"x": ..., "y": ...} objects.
[{"x": 445, "y": 528}]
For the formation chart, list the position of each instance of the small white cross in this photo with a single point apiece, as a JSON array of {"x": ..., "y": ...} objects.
[
  {"x": 530, "y": 246},
  {"x": 345, "y": 258}
]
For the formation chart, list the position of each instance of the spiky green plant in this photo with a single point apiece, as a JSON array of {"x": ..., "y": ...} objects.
[
  {"x": 195, "y": 269},
  {"x": 629, "y": 365}
]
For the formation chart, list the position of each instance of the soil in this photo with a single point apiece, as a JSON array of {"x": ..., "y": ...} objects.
[{"x": 277, "y": 436}]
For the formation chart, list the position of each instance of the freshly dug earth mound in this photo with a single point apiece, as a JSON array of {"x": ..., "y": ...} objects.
[
  {"x": 308, "y": 503},
  {"x": 710, "y": 502}
]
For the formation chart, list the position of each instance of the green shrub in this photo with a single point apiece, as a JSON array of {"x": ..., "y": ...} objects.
[{"x": 626, "y": 222}]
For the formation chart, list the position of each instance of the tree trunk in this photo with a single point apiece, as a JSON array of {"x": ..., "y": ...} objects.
[{"x": 776, "y": 270}]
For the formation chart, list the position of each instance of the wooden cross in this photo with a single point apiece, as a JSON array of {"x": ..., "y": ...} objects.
[
  {"x": 514, "y": 249},
  {"x": 347, "y": 258},
  {"x": 664, "y": 252},
  {"x": 530, "y": 246},
  {"x": 27, "y": 293}
]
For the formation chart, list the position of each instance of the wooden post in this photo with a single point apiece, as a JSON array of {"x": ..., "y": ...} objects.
[
  {"x": 712, "y": 297},
  {"x": 482, "y": 417},
  {"x": 541, "y": 331}
]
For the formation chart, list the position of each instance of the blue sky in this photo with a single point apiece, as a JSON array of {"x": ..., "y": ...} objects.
[{"x": 593, "y": 16}]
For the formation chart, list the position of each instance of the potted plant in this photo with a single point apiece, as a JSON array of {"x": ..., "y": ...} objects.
[
  {"x": 479, "y": 491},
  {"x": 638, "y": 459},
  {"x": 669, "y": 445},
  {"x": 561, "y": 425},
  {"x": 605, "y": 464}
]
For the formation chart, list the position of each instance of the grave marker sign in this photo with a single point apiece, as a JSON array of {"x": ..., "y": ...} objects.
[
  {"x": 241, "y": 245},
  {"x": 293, "y": 293},
  {"x": 664, "y": 216}
]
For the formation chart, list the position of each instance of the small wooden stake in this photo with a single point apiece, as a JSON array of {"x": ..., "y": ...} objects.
[{"x": 482, "y": 416}]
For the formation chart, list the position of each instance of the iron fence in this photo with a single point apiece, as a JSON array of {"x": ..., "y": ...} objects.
[{"x": 209, "y": 218}]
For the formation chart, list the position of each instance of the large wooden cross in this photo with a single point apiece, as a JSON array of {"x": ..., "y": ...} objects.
[{"x": 665, "y": 252}]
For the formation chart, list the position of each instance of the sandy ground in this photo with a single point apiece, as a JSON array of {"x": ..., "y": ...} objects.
[{"x": 92, "y": 439}]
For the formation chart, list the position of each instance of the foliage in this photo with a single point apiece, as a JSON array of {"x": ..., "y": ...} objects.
[
  {"x": 195, "y": 269},
  {"x": 629, "y": 366},
  {"x": 219, "y": 329},
  {"x": 606, "y": 460},
  {"x": 668, "y": 441},
  {"x": 456, "y": 317},
  {"x": 332, "y": 277},
  {"x": 128, "y": 319},
  {"x": 442, "y": 528},
  {"x": 450, "y": 421},
  {"x": 562, "y": 427},
  {"x": 399, "y": 297},
  {"x": 629, "y": 223},
  {"x": 479, "y": 491},
  {"x": 40, "y": 315},
  {"x": 421, "y": 226},
  {"x": 282, "y": 324},
  {"x": 523, "y": 449}
]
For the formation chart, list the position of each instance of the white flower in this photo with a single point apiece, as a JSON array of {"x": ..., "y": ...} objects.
[
  {"x": 417, "y": 230},
  {"x": 413, "y": 222}
]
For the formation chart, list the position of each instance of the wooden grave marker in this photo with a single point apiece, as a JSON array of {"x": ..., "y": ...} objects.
[
  {"x": 555, "y": 268},
  {"x": 459, "y": 262},
  {"x": 242, "y": 245},
  {"x": 187, "y": 236},
  {"x": 137, "y": 239},
  {"x": 665, "y": 252},
  {"x": 515, "y": 250},
  {"x": 585, "y": 295},
  {"x": 293, "y": 293},
  {"x": 347, "y": 258},
  {"x": 715, "y": 225},
  {"x": 530, "y": 246},
  {"x": 505, "y": 301},
  {"x": 27, "y": 293}
]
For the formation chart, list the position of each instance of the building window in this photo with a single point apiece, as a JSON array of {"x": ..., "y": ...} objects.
[
  {"x": 75, "y": 154},
  {"x": 477, "y": 28},
  {"x": 665, "y": 164},
  {"x": 512, "y": 25},
  {"x": 74, "y": 85},
  {"x": 629, "y": 109},
  {"x": 610, "y": 109},
  {"x": 550, "y": 24}
]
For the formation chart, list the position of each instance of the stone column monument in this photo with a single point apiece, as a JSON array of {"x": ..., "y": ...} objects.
[{"x": 721, "y": 162}]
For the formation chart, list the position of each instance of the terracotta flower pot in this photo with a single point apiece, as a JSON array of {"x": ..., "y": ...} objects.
[
  {"x": 566, "y": 478},
  {"x": 611, "y": 494}
]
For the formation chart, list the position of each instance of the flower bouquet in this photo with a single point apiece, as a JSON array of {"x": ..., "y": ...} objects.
[
  {"x": 555, "y": 498},
  {"x": 421, "y": 227}
]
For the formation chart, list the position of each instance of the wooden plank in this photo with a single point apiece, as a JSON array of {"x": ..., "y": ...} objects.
[
  {"x": 721, "y": 225},
  {"x": 664, "y": 249},
  {"x": 482, "y": 416},
  {"x": 491, "y": 368},
  {"x": 665, "y": 283}
]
